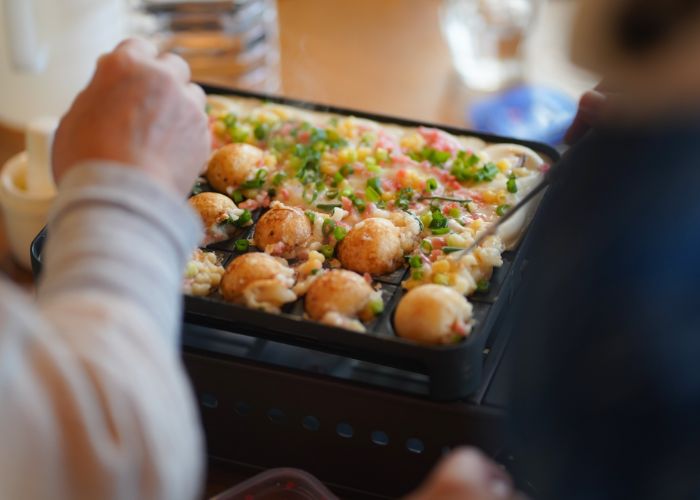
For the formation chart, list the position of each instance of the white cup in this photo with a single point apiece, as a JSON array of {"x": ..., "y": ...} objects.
[{"x": 25, "y": 213}]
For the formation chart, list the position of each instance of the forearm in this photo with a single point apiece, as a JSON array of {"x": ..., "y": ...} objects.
[
  {"x": 98, "y": 402},
  {"x": 115, "y": 232}
]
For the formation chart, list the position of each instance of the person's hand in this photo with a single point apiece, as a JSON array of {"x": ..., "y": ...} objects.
[
  {"x": 466, "y": 474},
  {"x": 591, "y": 108},
  {"x": 140, "y": 110}
]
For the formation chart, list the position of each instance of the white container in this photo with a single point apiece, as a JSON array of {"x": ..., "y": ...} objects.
[
  {"x": 27, "y": 189},
  {"x": 48, "y": 50},
  {"x": 25, "y": 213}
]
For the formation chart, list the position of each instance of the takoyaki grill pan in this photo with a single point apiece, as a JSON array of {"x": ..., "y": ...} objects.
[{"x": 454, "y": 371}]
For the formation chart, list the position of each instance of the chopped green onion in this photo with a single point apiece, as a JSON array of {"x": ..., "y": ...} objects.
[
  {"x": 417, "y": 275},
  {"x": 328, "y": 207},
  {"x": 438, "y": 219},
  {"x": 381, "y": 155},
  {"x": 257, "y": 182},
  {"x": 431, "y": 184},
  {"x": 454, "y": 212},
  {"x": 445, "y": 198},
  {"x": 337, "y": 179},
  {"x": 483, "y": 286},
  {"x": 339, "y": 232},
  {"x": 237, "y": 196},
  {"x": 242, "y": 245},
  {"x": 331, "y": 194},
  {"x": 374, "y": 184},
  {"x": 359, "y": 204},
  {"x": 415, "y": 261},
  {"x": 502, "y": 209},
  {"x": 426, "y": 246},
  {"x": 451, "y": 249},
  {"x": 238, "y": 134},
  {"x": 376, "y": 306},
  {"x": 511, "y": 185},
  {"x": 347, "y": 192},
  {"x": 426, "y": 219},
  {"x": 346, "y": 170},
  {"x": 372, "y": 195},
  {"x": 441, "y": 230},
  {"x": 244, "y": 218},
  {"x": 278, "y": 178},
  {"x": 229, "y": 120},
  {"x": 328, "y": 227},
  {"x": 433, "y": 156},
  {"x": 261, "y": 131},
  {"x": 327, "y": 251},
  {"x": 311, "y": 216},
  {"x": 465, "y": 169}
]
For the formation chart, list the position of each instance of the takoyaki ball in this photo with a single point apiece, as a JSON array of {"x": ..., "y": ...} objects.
[
  {"x": 340, "y": 291},
  {"x": 215, "y": 210},
  {"x": 372, "y": 246},
  {"x": 282, "y": 231},
  {"x": 409, "y": 229},
  {"x": 250, "y": 268},
  {"x": 433, "y": 314},
  {"x": 232, "y": 165}
]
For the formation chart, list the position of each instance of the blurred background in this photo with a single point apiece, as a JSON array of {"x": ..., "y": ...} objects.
[{"x": 492, "y": 65}]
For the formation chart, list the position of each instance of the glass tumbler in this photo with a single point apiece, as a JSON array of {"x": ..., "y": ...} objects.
[
  {"x": 486, "y": 37},
  {"x": 230, "y": 42}
]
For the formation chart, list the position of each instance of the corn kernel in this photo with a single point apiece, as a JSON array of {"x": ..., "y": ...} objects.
[
  {"x": 329, "y": 168},
  {"x": 441, "y": 266},
  {"x": 503, "y": 165},
  {"x": 387, "y": 196},
  {"x": 219, "y": 128},
  {"x": 454, "y": 240},
  {"x": 501, "y": 196},
  {"x": 489, "y": 196},
  {"x": 413, "y": 142},
  {"x": 476, "y": 225},
  {"x": 281, "y": 112},
  {"x": 347, "y": 155},
  {"x": 363, "y": 152},
  {"x": 441, "y": 279},
  {"x": 270, "y": 160}
]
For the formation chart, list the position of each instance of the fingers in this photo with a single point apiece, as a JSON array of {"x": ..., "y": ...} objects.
[
  {"x": 138, "y": 47},
  {"x": 176, "y": 66},
  {"x": 467, "y": 474},
  {"x": 475, "y": 470},
  {"x": 197, "y": 93},
  {"x": 591, "y": 108}
]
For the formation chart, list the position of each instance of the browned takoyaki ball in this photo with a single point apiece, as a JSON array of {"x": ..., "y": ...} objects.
[
  {"x": 282, "y": 231},
  {"x": 249, "y": 268},
  {"x": 433, "y": 314},
  {"x": 232, "y": 165},
  {"x": 213, "y": 208},
  {"x": 216, "y": 211},
  {"x": 339, "y": 291},
  {"x": 372, "y": 246}
]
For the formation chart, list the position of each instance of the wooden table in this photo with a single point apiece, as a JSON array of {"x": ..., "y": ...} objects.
[{"x": 385, "y": 56}]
